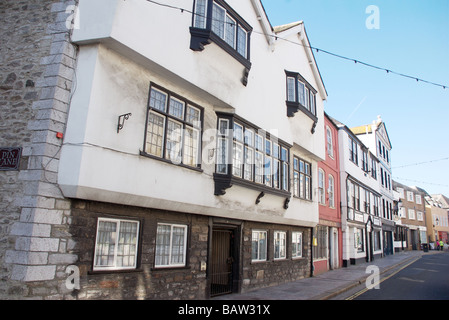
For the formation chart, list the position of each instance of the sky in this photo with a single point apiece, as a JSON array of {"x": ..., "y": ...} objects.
[{"x": 410, "y": 37}]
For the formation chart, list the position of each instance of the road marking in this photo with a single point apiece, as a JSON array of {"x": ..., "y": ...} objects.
[{"x": 386, "y": 278}]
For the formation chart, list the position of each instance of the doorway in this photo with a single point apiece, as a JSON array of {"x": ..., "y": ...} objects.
[{"x": 223, "y": 273}]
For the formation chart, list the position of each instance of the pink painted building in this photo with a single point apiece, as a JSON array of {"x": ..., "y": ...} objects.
[{"x": 327, "y": 241}]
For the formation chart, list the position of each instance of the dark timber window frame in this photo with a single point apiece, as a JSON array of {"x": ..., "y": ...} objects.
[
  {"x": 202, "y": 30},
  {"x": 226, "y": 176},
  {"x": 296, "y": 100},
  {"x": 194, "y": 126}
]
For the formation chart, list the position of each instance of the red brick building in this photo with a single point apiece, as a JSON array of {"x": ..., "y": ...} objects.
[{"x": 327, "y": 246}]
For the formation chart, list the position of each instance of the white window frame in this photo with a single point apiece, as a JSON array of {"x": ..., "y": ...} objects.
[
  {"x": 258, "y": 239},
  {"x": 418, "y": 199},
  {"x": 117, "y": 236},
  {"x": 170, "y": 264},
  {"x": 280, "y": 245},
  {"x": 331, "y": 191},
  {"x": 321, "y": 187},
  {"x": 410, "y": 196},
  {"x": 411, "y": 214},
  {"x": 296, "y": 244}
]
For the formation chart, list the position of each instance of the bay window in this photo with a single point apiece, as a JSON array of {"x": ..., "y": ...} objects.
[
  {"x": 216, "y": 21},
  {"x": 250, "y": 157},
  {"x": 300, "y": 96}
]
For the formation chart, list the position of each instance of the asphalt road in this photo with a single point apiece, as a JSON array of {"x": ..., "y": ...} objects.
[{"x": 425, "y": 279}]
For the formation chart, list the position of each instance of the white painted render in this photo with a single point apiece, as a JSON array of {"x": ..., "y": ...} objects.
[{"x": 125, "y": 46}]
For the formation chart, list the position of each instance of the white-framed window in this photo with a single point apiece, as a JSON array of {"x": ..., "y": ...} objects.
[
  {"x": 302, "y": 179},
  {"x": 418, "y": 199},
  {"x": 419, "y": 216},
  {"x": 358, "y": 240},
  {"x": 401, "y": 193},
  {"x": 259, "y": 245},
  {"x": 296, "y": 244},
  {"x": 353, "y": 151},
  {"x": 300, "y": 92},
  {"x": 171, "y": 245},
  {"x": 330, "y": 143},
  {"x": 280, "y": 245},
  {"x": 116, "y": 244},
  {"x": 200, "y": 14},
  {"x": 411, "y": 214},
  {"x": 331, "y": 191},
  {"x": 321, "y": 187},
  {"x": 410, "y": 196}
]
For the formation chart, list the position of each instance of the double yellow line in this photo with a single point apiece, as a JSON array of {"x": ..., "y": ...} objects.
[{"x": 386, "y": 278}]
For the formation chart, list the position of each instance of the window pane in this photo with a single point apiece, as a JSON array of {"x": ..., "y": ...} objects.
[
  {"x": 237, "y": 160},
  {"x": 230, "y": 31},
  {"x": 249, "y": 161},
  {"x": 176, "y": 108},
  {"x": 218, "y": 19},
  {"x": 163, "y": 245},
  {"x": 105, "y": 246},
  {"x": 174, "y": 139},
  {"x": 301, "y": 93},
  {"x": 238, "y": 132},
  {"x": 158, "y": 100},
  {"x": 193, "y": 116},
  {"x": 127, "y": 244},
  {"x": 222, "y": 156},
  {"x": 155, "y": 134},
  {"x": 200, "y": 14},
  {"x": 178, "y": 246},
  {"x": 291, "y": 92},
  {"x": 259, "y": 167},
  {"x": 241, "y": 41},
  {"x": 191, "y": 145},
  {"x": 267, "y": 171}
]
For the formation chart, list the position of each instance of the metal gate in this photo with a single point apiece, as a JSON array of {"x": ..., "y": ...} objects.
[{"x": 222, "y": 262}]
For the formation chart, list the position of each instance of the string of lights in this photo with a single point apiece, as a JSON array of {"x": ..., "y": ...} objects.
[
  {"x": 421, "y": 182},
  {"x": 318, "y": 50},
  {"x": 419, "y": 163}
]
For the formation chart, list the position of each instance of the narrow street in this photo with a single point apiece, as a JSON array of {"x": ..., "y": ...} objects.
[{"x": 425, "y": 279}]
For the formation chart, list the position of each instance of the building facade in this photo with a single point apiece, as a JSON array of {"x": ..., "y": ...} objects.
[
  {"x": 437, "y": 220},
  {"x": 375, "y": 137},
  {"x": 329, "y": 242},
  {"x": 171, "y": 153},
  {"x": 360, "y": 199},
  {"x": 411, "y": 232}
]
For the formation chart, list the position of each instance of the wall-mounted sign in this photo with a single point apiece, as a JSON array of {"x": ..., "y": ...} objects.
[{"x": 10, "y": 158}]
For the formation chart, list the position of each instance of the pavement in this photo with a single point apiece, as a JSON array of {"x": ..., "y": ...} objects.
[{"x": 331, "y": 283}]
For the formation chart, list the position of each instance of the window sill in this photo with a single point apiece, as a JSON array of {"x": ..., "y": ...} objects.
[
  {"x": 293, "y": 107},
  {"x": 170, "y": 268},
  {"x": 109, "y": 271},
  {"x": 223, "y": 182},
  {"x": 147, "y": 155},
  {"x": 203, "y": 37}
]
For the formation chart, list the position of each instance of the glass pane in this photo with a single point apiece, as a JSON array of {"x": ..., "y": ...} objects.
[
  {"x": 191, "y": 145},
  {"x": 127, "y": 244},
  {"x": 249, "y": 138},
  {"x": 302, "y": 93},
  {"x": 158, "y": 100},
  {"x": 230, "y": 31},
  {"x": 291, "y": 92},
  {"x": 259, "y": 168},
  {"x": 241, "y": 42},
  {"x": 155, "y": 134},
  {"x": 163, "y": 245},
  {"x": 238, "y": 132},
  {"x": 222, "y": 156},
  {"x": 176, "y": 108},
  {"x": 218, "y": 20},
  {"x": 178, "y": 246},
  {"x": 193, "y": 116},
  {"x": 200, "y": 14},
  {"x": 237, "y": 160},
  {"x": 249, "y": 161},
  {"x": 105, "y": 246},
  {"x": 174, "y": 140},
  {"x": 267, "y": 171}
]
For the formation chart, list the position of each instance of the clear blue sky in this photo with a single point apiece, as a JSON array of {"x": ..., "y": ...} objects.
[{"x": 413, "y": 39}]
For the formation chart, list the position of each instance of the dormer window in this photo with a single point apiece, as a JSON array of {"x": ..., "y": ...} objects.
[{"x": 215, "y": 21}]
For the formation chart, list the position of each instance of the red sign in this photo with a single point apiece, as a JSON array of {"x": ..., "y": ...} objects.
[{"x": 10, "y": 158}]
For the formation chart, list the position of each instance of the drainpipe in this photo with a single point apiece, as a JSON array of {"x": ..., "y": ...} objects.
[{"x": 311, "y": 252}]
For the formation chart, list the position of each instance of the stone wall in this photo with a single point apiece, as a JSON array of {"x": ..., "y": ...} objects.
[{"x": 36, "y": 78}]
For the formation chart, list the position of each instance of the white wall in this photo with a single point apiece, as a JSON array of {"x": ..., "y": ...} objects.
[{"x": 141, "y": 43}]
